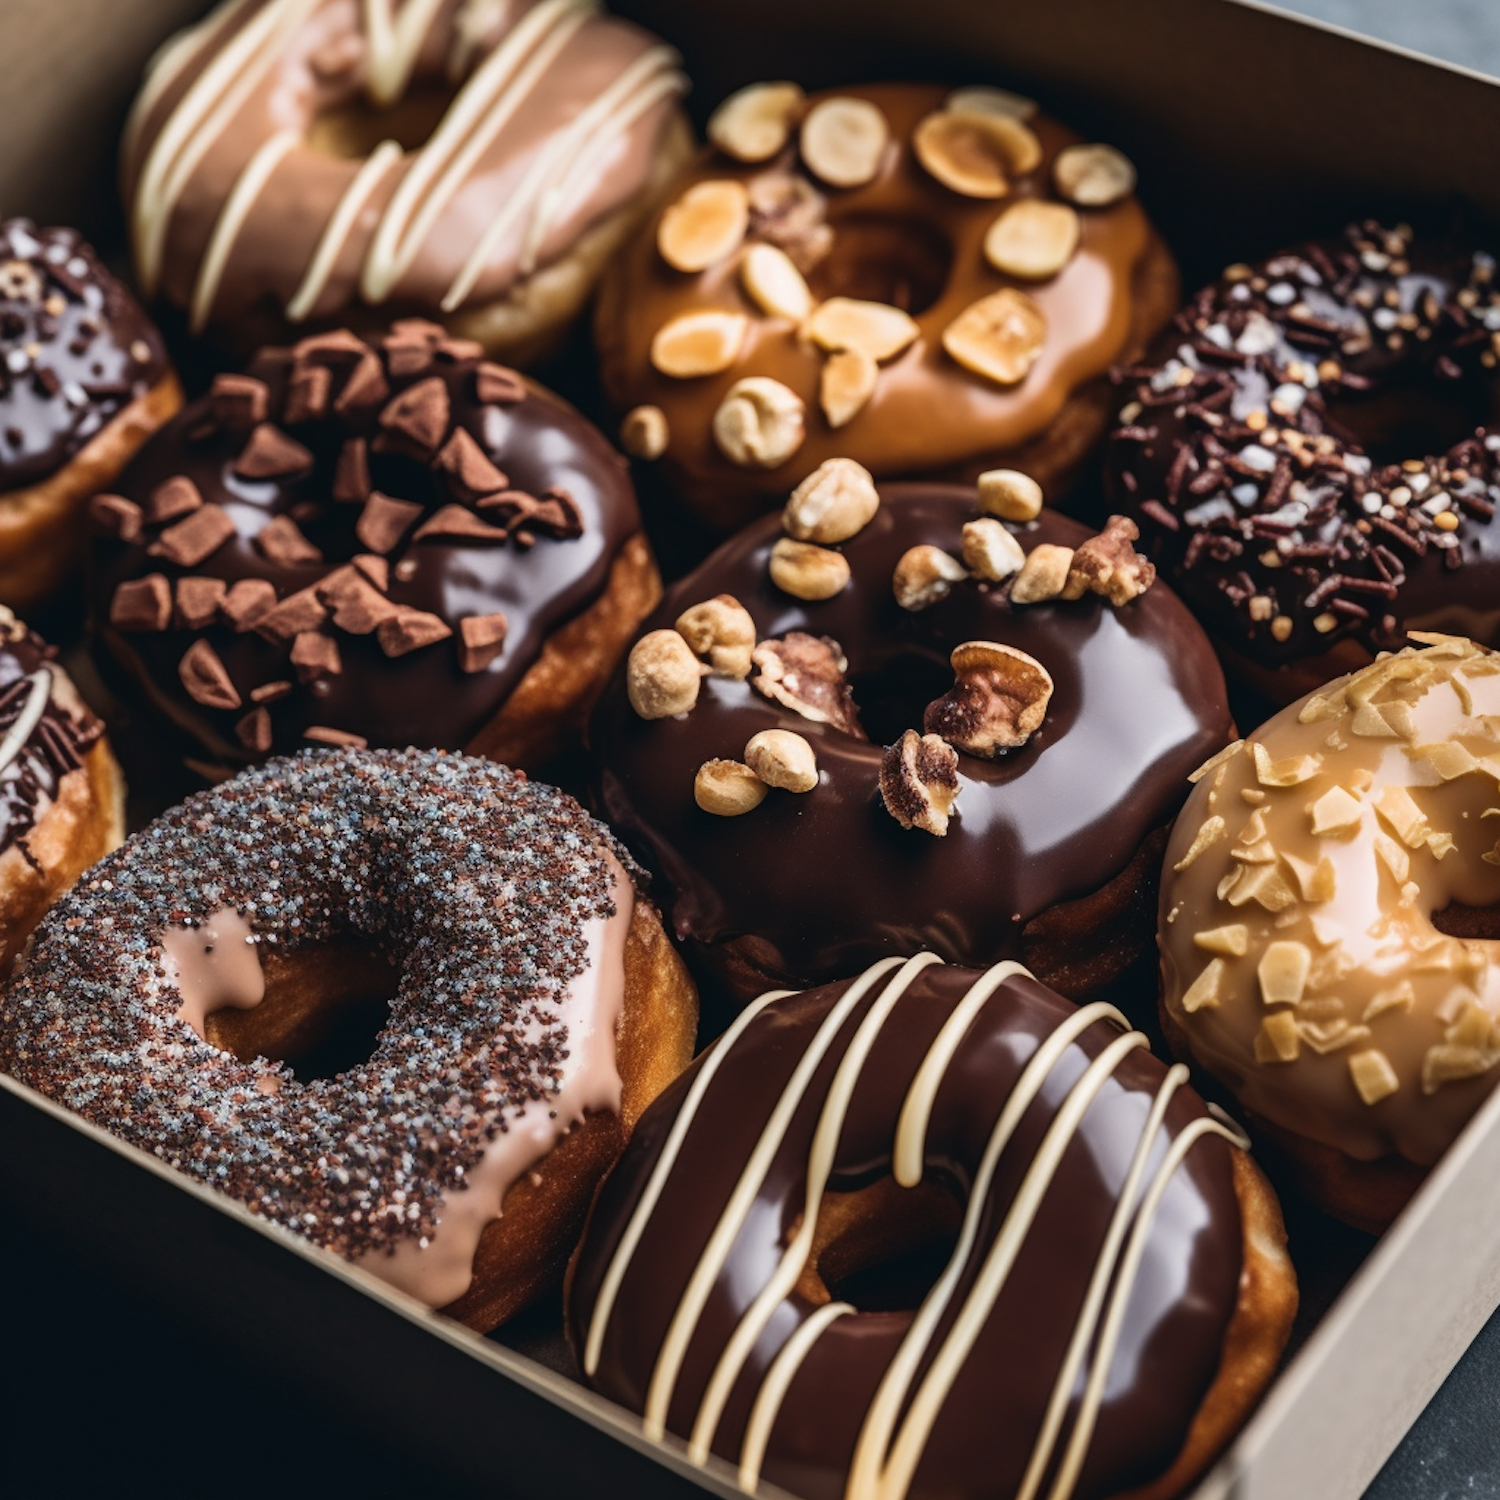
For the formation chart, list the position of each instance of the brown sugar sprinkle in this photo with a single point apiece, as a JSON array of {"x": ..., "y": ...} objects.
[{"x": 394, "y": 848}]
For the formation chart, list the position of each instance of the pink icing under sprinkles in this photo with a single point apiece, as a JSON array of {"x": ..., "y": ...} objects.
[{"x": 474, "y": 883}]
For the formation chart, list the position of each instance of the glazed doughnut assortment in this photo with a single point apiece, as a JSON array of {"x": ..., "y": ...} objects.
[{"x": 892, "y": 801}]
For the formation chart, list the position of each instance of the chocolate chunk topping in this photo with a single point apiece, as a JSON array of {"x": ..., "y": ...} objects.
[
  {"x": 190, "y": 541},
  {"x": 269, "y": 692},
  {"x": 351, "y": 476},
  {"x": 376, "y": 569},
  {"x": 307, "y": 394},
  {"x": 467, "y": 468},
  {"x": 296, "y": 613},
  {"x": 339, "y": 347},
  {"x": 458, "y": 351},
  {"x": 239, "y": 402},
  {"x": 254, "y": 730},
  {"x": 142, "y": 604},
  {"x": 357, "y": 605},
  {"x": 173, "y": 498},
  {"x": 481, "y": 640},
  {"x": 271, "y": 454},
  {"x": 365, "y": 388},
  {"x": 408, "y": 630},
  {"x": 384, "y": 521},
  {"x": 458, "y": 521},
  {"x": 281, "y": 541},
  {"x": 198, "y": 602},
  {"x": 248, "y": 602},
  {"x": 418, "y": 416},
  {"x": 117, "y": 516},
  {"x": 321, "y": 734},
  {"x": 494, "y": 384},
  {"x": 205, "y": 678},
  {"x": 314, "y": 655}
]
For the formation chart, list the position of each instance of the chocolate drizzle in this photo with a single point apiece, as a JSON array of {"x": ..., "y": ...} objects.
[
  {"x": 75, "y": 350},
  {"x": 918, "y": 1113},
  {"x": 344, "y": 541},
  {"x": 1283, "y": 534}
]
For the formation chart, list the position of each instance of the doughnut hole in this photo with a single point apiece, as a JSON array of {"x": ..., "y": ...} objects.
[
  {"x": 1414, "y": 419},
  {"x": 354, "y": 127},
  {"x": 323, "y": 1011},
  {"x": 892, "y": 695},
  {"x": 901, "y": 262},
  {"x": 1472, "y": 923},
  {"x": 883, "y": 1247}
]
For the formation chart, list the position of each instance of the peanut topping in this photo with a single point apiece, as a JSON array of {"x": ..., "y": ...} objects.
[
  {"x": 1093, "y": 176},
  {"x": 1010, "y": 494},
  {"x": 1043, "y": 576},
  {"x": 990, "y": 551},
  {"x": 783, "y": 759},
  {"x": 999, "y": 337},
  {"x": 998, "y": 700},
  {"x": 754, "y": 123},
  {"x": 644, "y": 432},
  {"x": 846, "y": 383},
  {"x": 774, "y": 284},
  {"x": 835, "y": 502},
  {"x": 1033, "y": 239},
  {"x": 720, "y": 633},
  {"x": 805, "y": 673},
  {"x": 843, "y": 141},
  {"x": 760, "y": 423},
  {"x": 808, "y": 572},
  {"x": 919, "y": 782},
  {"x": 727, "y": 789},
  {"x": 977, "y": 154},
  {"x": 870, "y": 328},
  {"x": 705, "y": 225},
  {"x": 924, "y": 575},
  {"x": 662, "y": 675},
  {"x": 983, "y": 100},
  {"x": 1109, "y": 565},
  {"x": 698, "y": 343}
]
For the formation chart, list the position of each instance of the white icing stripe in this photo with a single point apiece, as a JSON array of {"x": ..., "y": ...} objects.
[
  {"x": 395, "y": 44},
  {"x": 615, "y": 1273},
  {"x": 911, "y": 1129},
  {"x": 774, "y": 1388},
  {"x": 325, "y": 257},
  {"x": 880, "y": 1420},
  {"x": 247, "y": 188},
  {"x": 705, "y": 1273},
  {"x": 476, "y": 115},
  {"x": 1086, "y": 1327},
  {"x": 29, "y": 717},
  {"x": 819, "y": 1168},
  {"x": 932, "y": 1394}
]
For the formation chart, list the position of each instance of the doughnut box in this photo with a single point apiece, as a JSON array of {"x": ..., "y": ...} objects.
[{"x": 1247, "y": 126}]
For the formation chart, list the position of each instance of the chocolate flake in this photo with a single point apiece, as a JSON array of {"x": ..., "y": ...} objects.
[
  {"x": 410, "y": 629},
  {"x": 191, "y": 540},
  {"x": 254, "y": 730},
  {"x": 205, "y": 677},
  {"x": 281, "y": 541},
  {"x": 271, "y": 454},
  {"x": 142, "y": 604},
  {"x": 270, "y": 692},
  {"x": 321, "y": 734},
  {"x": 481, "y": 640}
]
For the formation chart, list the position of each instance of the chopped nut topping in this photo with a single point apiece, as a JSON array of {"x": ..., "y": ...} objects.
[
  {"x": 1445, "y": 1063},
  {"x": 726, "y": 788},
  {"x": 983, "y": 100},
  {"x": 924, "y": 575},
  {"x": 644, "y": 433},
  {"x": 705, "y": 225},
  {"x": 1282, "y": 972},
  {"x": 1010, "y": 494},
  {"x": 870, "y": 328},
  {"x": 662, "y": 675},
  {"x": 760, "y": 423},
  {"x": 1279, "y": 1038},
  {"x": 1093, "y": 176},
  {"x": 720, "y": 632},
  {"x": 1205, "y": 989},
  {"x": 843, "y": 141},
  {"x": 808, "y": 572},
  {"x": 805, "y": 673},
  {"x": 1396, "y": 997},
  {"x": 1335, "y": 814},
  {"x": 1109, "y": 565},
  {"x": 1212, "y": 764},
  {"x": 1233, "y": 939},
  {"x": 846, "y": 383},
  {"x": 774, "y": 284},
  {"x": 755, "y": 122},
  {"x": 698, "y": 343},
  {"x": 1263, "y": 884},
  {"x": 990, "y": 551},
  {"x": 919, "y": 782},
  {"x": 1373, "y": 1075},
  {"x": 1405, "y": 819},
  {"x": 997, "y": 702},
  {"x": 783, "y": 759},
  {"x": 1000, "y": 336},
  {"x": 1033, "y": 239},
  {"x": 1292, "y": 770},
  {"x": 1319, "y": 882},
  {"x": 787, "y": 211},
  {"x": 1210, "y": 831},
  {"x": 835, "y": 502},
  {"x": 1043, "y": 576},
  {"x": 976, "y": 153}
]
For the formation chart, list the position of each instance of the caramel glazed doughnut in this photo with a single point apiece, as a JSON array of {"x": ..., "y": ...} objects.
[
  {"x": 1301, "y": 555},
  {"x": 517, "y": 145},
  {"x": 1114, "y": 1296},
  {"x": 395, "y": 543},
  {"x": 1064, "y": 702},
  {"x": 1328, "y": 917},
  {"x": 535, "y": 1008},
  {"x": 62, "y": 801},
  {"x": 930, "y": 284},
  {"x": 84, "y": 380}
]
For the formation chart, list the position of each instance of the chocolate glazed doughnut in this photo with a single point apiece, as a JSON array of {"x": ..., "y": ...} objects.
[
  {"x": 1113, "y": 1298},
  {"x": 390, "y": 543},
  {"x": 1052, "y": 852},
  {"x": 1302, "y": 556},
  {"x": 932, "y": 284}
]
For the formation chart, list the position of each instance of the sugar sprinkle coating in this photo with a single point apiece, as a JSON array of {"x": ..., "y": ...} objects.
[{"x": 476, "y": 883}]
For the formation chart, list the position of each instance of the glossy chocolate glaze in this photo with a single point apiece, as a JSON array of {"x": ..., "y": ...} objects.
[
  {"x": 75, "y": 350},
  {"x": 423, "y": 698},
  {"x": 56, "y": 745},
  {"x": 904, "y": 239},
  {"x": 1177, "y": 1312},
  {"x": 1388, "y": 333},
  {"x": 827, "y": 881}
]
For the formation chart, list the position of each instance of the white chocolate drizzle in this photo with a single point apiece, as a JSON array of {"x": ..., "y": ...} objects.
[
  {"x": 29, "y": 717},
  {"x": 903, "y": 1412}
]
